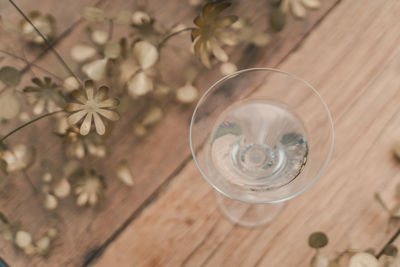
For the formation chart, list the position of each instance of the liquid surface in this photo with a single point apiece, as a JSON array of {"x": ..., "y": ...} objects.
[{"x": 258, "y": 145}]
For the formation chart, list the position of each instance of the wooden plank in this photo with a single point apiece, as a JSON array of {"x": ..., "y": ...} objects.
[
  {"x": 84, "y": 231},
  {"x": 184, "y": 227}
]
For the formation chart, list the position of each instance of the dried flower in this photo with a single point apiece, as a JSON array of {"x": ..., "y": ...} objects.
[
  {"x": 89, "y": 189},
  {"x": 50, "y": 202},
  {"x": 46, "y": 95},
  {"x": 210, "y": 32},
  {"x": 62, "y": 188},
  {"x": 227, "y": 68},
  {"x": 246, "y": 32},
  {"x": 44, "y": 23},
  {"x": 43, "y": 246},
  {"x": 23, "y": 239},
  {"x": 124, "y": 173},
  {"x": 18, "y": 157},
  {"x": 99, "y": 37},
  {"x": 10, "y": 105},
  {"x": 140, "y": 18},
  {"x": 78, "y": 146},
  {"x": 91, "y": 107},
  {"x": 298, "y": 7}
]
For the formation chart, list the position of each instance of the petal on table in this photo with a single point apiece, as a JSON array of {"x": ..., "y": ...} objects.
[
  {"x": 74, "y": 118},
  {"x": 140, "y": 84},
  {"x": 298, "y": 9},
  {"x": 109, "y": 114},
  {"x": 79, "y": 97},
  {"x": 145, "y": 53},
  {"x": 312, "y": 3},
  {"x": 98, "y": 123},
  {"x": 86, "y": 124}
]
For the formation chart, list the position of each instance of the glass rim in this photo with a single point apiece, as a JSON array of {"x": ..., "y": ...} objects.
[{"x": 227, "y": 77}]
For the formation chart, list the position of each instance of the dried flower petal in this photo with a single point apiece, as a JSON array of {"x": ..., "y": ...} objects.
[
  {"x": 311, "y": 3},
  {"x": 93, "y": 14},
  {"x": 112, "y": 49},
  {"x": 71, "y": 84},
  {"x": 30, "y": 250},
  {"x": 99, "y": 37},
  {"x": 10, "y": 106},
  {"x": 96, "y": 70},
  {"x": 297, "y": 9},
  {"x": 50, "y": 202},
  {"x": 82, "y": 52},
  {"x": 89, "y": 189},
  {"x": 139, "y": 85},
  {"x": 363, "y": 259},
  {"x": 43, "y": 246},
  {"x": 187, "y": 94},
  {"x": 152, "y": 116},
  {"x": 145, "y": 53},
  {"x": 62, "y": 188},
  {"x": 23, "y": 239},
  {"x": 140, "y": 18},
  {"x": 227, "y": 68},
  {"x": 124, "y": 173},
  {"x": 319, "y": 260},
  {"x": 44, "y": 23},
  {"x": 10, "y": 76}
]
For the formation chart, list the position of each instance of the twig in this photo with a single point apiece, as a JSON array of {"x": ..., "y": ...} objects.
[
  {"x": 46, "y": 41},
  {"x": 28, "y": 123},
  {"x": 160, "y": 45}
]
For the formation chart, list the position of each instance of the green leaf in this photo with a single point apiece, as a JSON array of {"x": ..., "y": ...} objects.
[
  {"x": 93, "y": 14},
  {"x": 318, "y": 240},
  {"x": 277, "y": 20},
  {"x": 10, "y": 76}
]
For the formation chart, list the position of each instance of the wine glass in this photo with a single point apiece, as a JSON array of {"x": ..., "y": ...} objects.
[{"x": 260, "y": 137}]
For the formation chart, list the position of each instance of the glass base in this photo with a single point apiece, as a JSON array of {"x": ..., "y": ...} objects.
[{"x": 246, "y": 214}]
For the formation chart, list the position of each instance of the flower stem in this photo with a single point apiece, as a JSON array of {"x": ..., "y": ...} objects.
[
  {"x": 49, "y": 45},
  {"x": 166, "y": 38},
  {"x": 29, "y": 123}
]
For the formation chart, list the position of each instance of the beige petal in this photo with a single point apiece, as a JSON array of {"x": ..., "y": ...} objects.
[
  {"x": 140, "y": 18},
  {"x": 218, "y": 52},
  {"x": 298, "y": 9},
  {"x": 71, "y": 107},
  {"x": 70, "y": 84},
  {"x": 62, "y": 188},
  {"x": 363, "y": 259},
  {"x": 99, "y": 37},
  {"x": 139, "y": 85},
  {"x": 112, "y": 49},
  {"x": 319, "y": 260},
  {"x": 39, "y": 107},
  {"x": 204, "y": 56},
  {"x": 197, "y": 45},
  {"x": 186, "y": 94},
  {"x": 145, "y": 53},
  {"x": 10, "y": 106},
  {"x": 86, "y": 124},
  {"x": 218, "y": 9},
  {"x": 82, "y": 52},
  {"x": 226, "y": 38},
  {"x": 96, "y": 70},
  {"x": 79, "y": 97},
  {"x": 207, "y": 9},
  {"x": 108, "y": 103},
  {"x": 23, "y": 239},
  {"x": 101, "y": 94},
  {"x": 74, "y": 118},
  {"x": 98, "y": 123},
  {"x": 311, "y": 3},
  {"x": 124, "y": 173},
  {"x": 82, "y": 199},
  {"x": 227, "y": 68},
  {"x": 93, "y": 199},
  {"x": 109, "y": 114},
  {"x": 50, "y": 202},
  {"x": 152, "y": 116},
  {"x": 226, "y": 21}
]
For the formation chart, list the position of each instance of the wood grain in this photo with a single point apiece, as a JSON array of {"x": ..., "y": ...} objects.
[
  {"x": 361, "y": 86},
  {"x": 84, "y": 231}
]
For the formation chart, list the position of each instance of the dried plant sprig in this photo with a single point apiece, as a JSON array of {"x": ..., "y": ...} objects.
[
  {"x": 89, "y": 189},
  {"x": 210, "y": 32},
  {"x": 92, "y": 108}
]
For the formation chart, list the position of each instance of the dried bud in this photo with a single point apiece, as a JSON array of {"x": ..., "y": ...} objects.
[{"x": 140, "y": 18}]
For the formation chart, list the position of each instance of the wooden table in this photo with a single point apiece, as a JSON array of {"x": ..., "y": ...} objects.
[{"x": 349, "y": 50}]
